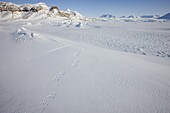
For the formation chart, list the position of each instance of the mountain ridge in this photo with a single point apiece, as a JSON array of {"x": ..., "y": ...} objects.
[
  {"x": 39, "y": 10},
  {"x": 166, "y": 16}
]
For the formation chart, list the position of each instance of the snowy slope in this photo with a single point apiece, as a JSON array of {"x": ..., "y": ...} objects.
[
  {"x": 73, "y": 13},
  {"x": 166, "y": 16},
  {"x": 43, "y": 71}
]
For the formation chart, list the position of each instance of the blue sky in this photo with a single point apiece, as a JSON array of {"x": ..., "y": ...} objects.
[{"x": 96, "y": 8}]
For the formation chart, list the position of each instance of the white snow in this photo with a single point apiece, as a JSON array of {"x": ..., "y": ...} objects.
[
  {"x": 74, "y": 13},
  {"x": 62, "y": 65},
  {"x": 141, "y": 38}
]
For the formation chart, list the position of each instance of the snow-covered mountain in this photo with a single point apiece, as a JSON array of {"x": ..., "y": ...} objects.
[
  {"x": 166, "y": 16},
  {"x": 108, "y": 16},
  {"x": 8, "y": 6},
  {"x": 34, "y": 11},
  {"x": 150, "y": 16},
  {"x": 122, "y": 17},
  {"x": 131, "y": 16},
  {"x": 73, "y": 13}
]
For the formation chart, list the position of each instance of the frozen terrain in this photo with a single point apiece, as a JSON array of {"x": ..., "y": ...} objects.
[
  {"x": 141, "y": 38},
  {"x": 71, "y": 65},
  {"x": 56, "y": 67}
]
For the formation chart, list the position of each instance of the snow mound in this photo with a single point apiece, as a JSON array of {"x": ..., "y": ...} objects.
[
  {"x": 80, "y": 24},
  {"x": 23, "y": 35},
  {"x": 71, "y": 24}
]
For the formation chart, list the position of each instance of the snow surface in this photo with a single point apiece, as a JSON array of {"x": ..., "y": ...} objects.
[{"x": 59, "y": 65}]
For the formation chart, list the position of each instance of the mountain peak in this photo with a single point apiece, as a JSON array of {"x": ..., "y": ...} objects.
[
  {"x": 109, "y": 16},
  {"x": 131, "y": 16},
  {"x": 166, "y": 16}
]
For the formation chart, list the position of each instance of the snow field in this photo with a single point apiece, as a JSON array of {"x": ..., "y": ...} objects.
[{"x": 47, "y": 68}]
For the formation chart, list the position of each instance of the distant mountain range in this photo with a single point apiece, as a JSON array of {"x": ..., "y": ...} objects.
[
  {"x": 150, "y": 16},
  {"x": 131, "y": 16},
  {"x": 42, "y": 11},
  {"x": 108, "y": 16},
  {"x": 166, "y": 16}
]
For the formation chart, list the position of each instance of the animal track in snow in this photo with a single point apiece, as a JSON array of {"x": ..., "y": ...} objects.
[
  {"x": 61, "y": 73},
  {"x": 42, "y": 107},
  {"x": 59, "y": 76},
  {"x": 56, "y": 78},
  {"x": 76, "y": 53},
  {"x": 51, "y": 95},
  {"x": 75, "y": 63}
]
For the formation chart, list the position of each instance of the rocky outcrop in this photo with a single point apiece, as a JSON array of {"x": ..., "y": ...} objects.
[
  {"x": 54, "y": 8},
  {"x": 36, "y": 9},
  {"x": 29, "y": 11},
  {"x": 8, "y": 7}
]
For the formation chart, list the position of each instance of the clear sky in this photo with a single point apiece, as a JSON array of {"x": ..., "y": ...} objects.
[{"x": 95, "y": 8}]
